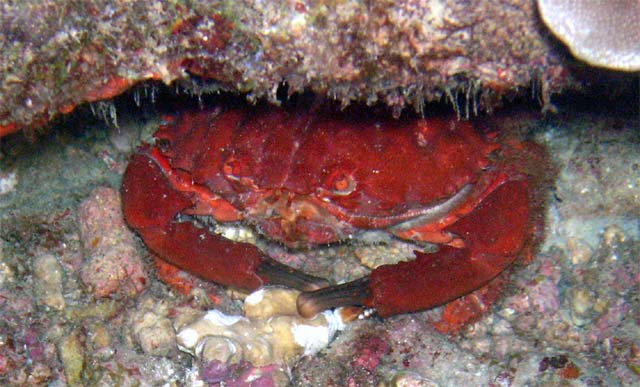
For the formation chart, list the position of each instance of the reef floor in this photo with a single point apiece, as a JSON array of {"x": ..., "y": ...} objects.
[{"x": 81, "y": 303}]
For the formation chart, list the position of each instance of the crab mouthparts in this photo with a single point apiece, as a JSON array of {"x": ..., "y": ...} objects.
[{"x": 297, "y": 221}]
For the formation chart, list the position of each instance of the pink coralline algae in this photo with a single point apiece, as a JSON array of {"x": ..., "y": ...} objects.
[
  {"x": 371, "y": 348},
  {"x": 112, "y": 263},
  {"x": 540, "y": 294},
  {"x": 243, "y": 374}
]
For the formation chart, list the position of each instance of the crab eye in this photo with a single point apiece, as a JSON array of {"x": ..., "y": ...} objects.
[
  {"x": 227, "y": 168},
  {"x": 235, "y": 168},
  {"x": 341, "y": 184},
  {"x": 163, "y": 143}
]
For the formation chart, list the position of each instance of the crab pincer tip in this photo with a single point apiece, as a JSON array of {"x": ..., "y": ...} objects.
[{"x": 350, "y": 294}]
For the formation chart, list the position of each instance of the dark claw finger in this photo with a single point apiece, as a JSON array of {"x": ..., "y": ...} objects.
[
  {"x": 276, "y": 273},
  {"x": 354, "y": 293}
]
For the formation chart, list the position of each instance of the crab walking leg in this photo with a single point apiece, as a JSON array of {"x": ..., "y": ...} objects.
[
  {"x": 150, "y": 206},
  {"x": 493, "y": 233}
]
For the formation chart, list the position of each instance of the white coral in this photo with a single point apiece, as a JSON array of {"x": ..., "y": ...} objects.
[{"x": 271, "y": 332}]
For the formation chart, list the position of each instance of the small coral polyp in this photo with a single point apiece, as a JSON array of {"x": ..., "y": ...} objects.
[{"x": 304, "y": 178}]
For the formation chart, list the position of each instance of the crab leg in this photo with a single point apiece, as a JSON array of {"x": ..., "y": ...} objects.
[
  {"x": 493, "y": 234},
  {"x": 151, "y": 205}
]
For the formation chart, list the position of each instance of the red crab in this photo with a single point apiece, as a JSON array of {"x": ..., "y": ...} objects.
[{"x": 303, "y": 178}]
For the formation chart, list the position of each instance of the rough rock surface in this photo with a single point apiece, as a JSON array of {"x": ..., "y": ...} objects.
[
  {"x": 57, "y": 54},
  {"x": 112, "y": 263}
]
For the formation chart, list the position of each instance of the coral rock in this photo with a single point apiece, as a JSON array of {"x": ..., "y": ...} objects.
[
  {"x": 48, "y": 272},
  {"x": 152, "y": 329},
  {"x": 262, "y": 339},
  {"x": 113, "y": 264},
  {"x": 602, "y": 33}
]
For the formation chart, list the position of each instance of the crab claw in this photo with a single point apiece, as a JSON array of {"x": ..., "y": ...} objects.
[
  {"x": 493, "y": 233},
  {"x": 151, "y": 206}
]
